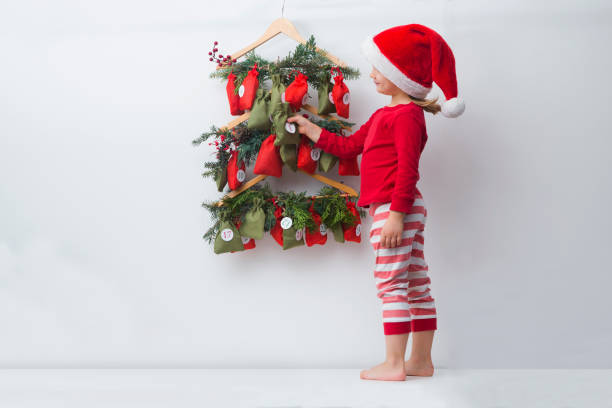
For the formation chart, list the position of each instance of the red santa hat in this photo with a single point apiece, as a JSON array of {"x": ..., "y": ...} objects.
[{"x": 412, "y": 56}]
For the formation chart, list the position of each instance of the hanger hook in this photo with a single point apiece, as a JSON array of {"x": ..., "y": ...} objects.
[{"x": 283, "y": 9}]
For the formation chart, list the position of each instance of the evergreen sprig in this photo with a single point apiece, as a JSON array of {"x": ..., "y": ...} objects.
[
  {"x": 333, "y": 209},
  {"x": 305, "y": 58},
  {"x": 296, "y": 206},
  {"x": 246, "y": 141},
  {"x": 235, "y": 208}
]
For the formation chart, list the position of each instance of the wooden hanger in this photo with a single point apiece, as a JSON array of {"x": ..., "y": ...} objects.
[{"x": 282, "y": 25}]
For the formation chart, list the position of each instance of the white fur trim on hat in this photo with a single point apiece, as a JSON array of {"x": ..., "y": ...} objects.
[
  {"x": 373, "y": 54},
  {"x": 453, "y": 107}
]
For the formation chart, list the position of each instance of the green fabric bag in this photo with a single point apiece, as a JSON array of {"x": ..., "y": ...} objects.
[
  {"x": 258, "y": 118},
  {"x": 254, "y": 219},
  {"x": 228, "y": 239},
  {"x": 326, "y": 106},
  {"x": 286, "y": 132},
  {"x": 327, "y": 161},
  {"x": 276, "y": 94},
  {"x": 293, "y": 237},
  {"x": 221, "y": 180},
  {"x": 338, "y": 233},
  {"x": 288, "y": 154}
]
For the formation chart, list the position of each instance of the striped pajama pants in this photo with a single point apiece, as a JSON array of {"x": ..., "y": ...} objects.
[{"x": 401, "y": 272}]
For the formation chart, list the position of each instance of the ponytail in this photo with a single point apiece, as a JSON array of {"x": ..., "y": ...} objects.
[{"x": 428, "y": 105}]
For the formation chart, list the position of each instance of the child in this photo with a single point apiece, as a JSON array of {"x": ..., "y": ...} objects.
[{"x": 406, "y": 59}]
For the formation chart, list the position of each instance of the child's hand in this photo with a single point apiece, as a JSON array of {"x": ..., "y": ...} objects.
[
  {"x": 392, "y": 230},
  {"x": 306, "y": 127}
]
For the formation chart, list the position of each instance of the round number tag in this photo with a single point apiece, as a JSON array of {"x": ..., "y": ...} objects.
[
  {"x": 290, "y": 127},
  {"x": 323, "y": 229},
  {"x": 227, "y": 234},
  {"x": 346, "y": 99},
  {"x": 358, "y": 230},
  {"x": 232, "y": 146},
  {"x": 283, "y": 97},
  {"x": 315, "y": 154},
  {"x": 298, "y": 234},
  {"x": 245, "y": 240},
  {"x": 331, "y": 98},
  {"x": 305, "y": 98},
  {"x": 240, "y": 175},
  {"x": 286, "y": 223},
  {"x": 241, "y": 91}
]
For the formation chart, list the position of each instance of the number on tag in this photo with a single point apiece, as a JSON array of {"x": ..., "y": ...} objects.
[
  {"x": 286, "y": 223},
  {"x": 227, "y": 234}
]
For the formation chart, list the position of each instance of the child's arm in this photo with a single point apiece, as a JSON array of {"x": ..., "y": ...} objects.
[
  {"x": 345, "y": 147},
  {"x": 407, "y": 134}
]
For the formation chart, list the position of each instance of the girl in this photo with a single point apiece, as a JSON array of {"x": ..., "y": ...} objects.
[{"x": 405, "y": 60}]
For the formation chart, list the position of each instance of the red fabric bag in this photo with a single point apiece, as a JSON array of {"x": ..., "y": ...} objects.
[
  {"x": 296, "y": 92},
  {"x": 319, "y": 234},
  {"x": 269, "y": 161},
  {"x": 277, "y": 230},
  {"x": 248, "y": 243},
  {"x": 235, "y": 171},
  {"x": 348, "y": 167},
  {"x": 248, "y": 89},
  {"x": 341, "y": 95},
  {"x": 308, "y": 156},
  {"x": 234, "y": 99},
  {"x": 352, "y": 233}
]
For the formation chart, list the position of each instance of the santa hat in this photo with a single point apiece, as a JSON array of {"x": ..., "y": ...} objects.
[{"x": 411, "y": 56}]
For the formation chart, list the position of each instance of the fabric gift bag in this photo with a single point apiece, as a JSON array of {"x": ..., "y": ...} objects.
[
  {"x": 327, "y": 161},
  {"x": 288, "y": 153},
  {"x": 248, "y": 89},
  {"x": 338, "y": 232},
  {"x": 233, "y": 98},
  {"x": 248, "y": 243},
  {"x": 308, "y": 156},
  {"x": 326, "y": 101},
  {"x": 277, "y": 230},
  {"x": 227, "y": 239},
  {"x": 269, "y": 161},
  {"x": 352, "y": 232},
  {"x": 221, "y": 180},
  {"x": 286, "y": 132},
  {"x": 297, "y": 92},
  {"x": 276, "y": 94},
  {"x": 258, "y": 118},
  {"x": 284, "y": 232},
  {"x": 254, "y": 219},
  {"x": 235, "y": 171},
  {"x": 341, "y": 96},
  {"x": 293, "y": 237},
  {"x": 319, "y": 234}
]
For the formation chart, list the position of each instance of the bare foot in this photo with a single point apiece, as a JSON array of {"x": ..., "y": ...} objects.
[
  {"x": 419, "y": 368},
  {"x": 386, "y": 371}
]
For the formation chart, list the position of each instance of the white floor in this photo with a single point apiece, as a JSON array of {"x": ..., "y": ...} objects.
[{"x": 182, "y": 388}]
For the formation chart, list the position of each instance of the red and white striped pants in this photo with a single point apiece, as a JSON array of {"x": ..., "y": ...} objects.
[{"x": 401, "y": 272}]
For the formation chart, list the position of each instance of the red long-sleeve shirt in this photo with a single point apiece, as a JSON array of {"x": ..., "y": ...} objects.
[{"x": 391, "y": 142}]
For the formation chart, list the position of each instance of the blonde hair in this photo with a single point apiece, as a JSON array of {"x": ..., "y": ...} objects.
[{"x": 428, "y": 105}]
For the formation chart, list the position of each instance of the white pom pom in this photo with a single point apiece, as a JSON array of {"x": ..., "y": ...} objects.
[{"x": 453, "y": 107}]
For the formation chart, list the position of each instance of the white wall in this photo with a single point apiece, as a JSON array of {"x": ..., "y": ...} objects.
[{"x": 101, "y": 257}]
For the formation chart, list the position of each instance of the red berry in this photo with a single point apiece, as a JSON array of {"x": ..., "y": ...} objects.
[
  {"x": 216, "y": 42},
  {"x": 210, "y": 59},
  {"x": 215, "y": 50},
  {"x": 234, "y": 60},
  {"x": 305, "y": 115},
  {"x": 220, "y": 55},
  {"x": 209, "y": 53}
]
